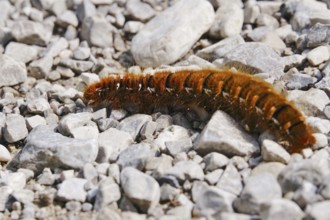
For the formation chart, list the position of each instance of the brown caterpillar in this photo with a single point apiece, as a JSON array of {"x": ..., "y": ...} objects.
[{"x": 246, "y": 98}]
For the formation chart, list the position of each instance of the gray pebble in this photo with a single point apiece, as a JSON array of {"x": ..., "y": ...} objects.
[
  {"x": 210, "y": 202},
  {"x": 4, "y": 154},
  {"x": 281, "y": 209},
  {"x": 319, "y": 210},
  {"x": 54, "y": 150},
  {"x": 213, "y": 177},
  {"x": 300, "y": 81},
  {"x": 174, "y": 147},
  {"x": 257, "y": 55},
  {"x": 78, "y": 66},
  {"x": 111, "y": 143},
  {"x": 306, "y": 194},
  {"x": 222, "y": 134},
  {"x": 133, "y": 124},
  {"x": 24, "y": 196},
  {"x": 214, "y": 161},
  {"x": 46, "y": 177},
  {"x": 311, "y": 102},
  {"x": 139, "y": 10},
  {"x": 86, "y": 207},
  {"x": 274, "y": 41},
  {"x": 90, "y": 131},
  {"x": 319, "y": 125},
  {"x": 274, "y": 168},
  {"x": 34, "y": 121},
  {"x": 228, "y": 21},
  {"x": 220, "y": 48},
  {"x": 168, "y": 193},
  {"x": 313, "y": 171},
  {"x": 15, "y": 181},
  {"x": 318, "y": 55},
  {"x": 39, "y": 69},
  {"x": 11, "y": 71},
  {"x": 273, "y": 152},
  {"x": 107, "y": 193},
  {"x": 38, "y": 106},
  {"x": 72, "y": 189},
  {"x": 133, "y": 27},
  {"x": 135, "y": 156},
  {"x": 172, "y": 133},
  {"x": 72, "y": 121},
  {"x": 97, "y": 31},
  {"x": 21, "y": 52},
  {"x": 230, "y": 180},
  {"x": 158, "y": 165},
  {"x": 5, "y": 191},
  {"x": 55, "y": 47},
  {"x": 74, "y": 206},
  {"x": 15, "y": 128},
  {"x": 82, "y": 53},
  {"x": 89, "y": 171},
  {"x": 186, "y": 170},
  {"x": 161, "y": 38},
  {"x": 253, "y": 195},
  {"x": 318, "y": 35},
  {"x": 67, "y": 18},
  {"x": 85, "y": 9},
  {"x": 30, "y": 32},
  {"x": 146, "y": 194}
]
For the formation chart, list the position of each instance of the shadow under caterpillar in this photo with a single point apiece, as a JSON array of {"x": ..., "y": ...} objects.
[{"x": 246, "y": 98}]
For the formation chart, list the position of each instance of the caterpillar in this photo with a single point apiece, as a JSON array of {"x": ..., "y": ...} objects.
[{"x": 244, "y": 97}]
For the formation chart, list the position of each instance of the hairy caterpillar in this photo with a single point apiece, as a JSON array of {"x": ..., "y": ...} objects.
[{"x": 246, "y": 98}]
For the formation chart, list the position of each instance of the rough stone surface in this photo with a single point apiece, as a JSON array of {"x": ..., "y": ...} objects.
[
  {"x": 97, "y": 31},
  {"x": 228, "y": 21},
  {"x": 108, "y": 192},
  {"x": 21, "y": 52},
  {"x": 257, "y": 55},
  {"x": 281, "y": 209},
  {"x": 222, "y": 134},
  {"x": 313, "y": 171},
  {"x": 253, "y": 195},
  {"x": 162, "y": 42},
  {"x": 45, "y": 148},
  {"x": 72, "y": 189},
  {"x": 29, "y": 32},
  {"x": 273, "y": 152},
  {"x": 111, "y": 143},
  {"x": 15, "y": 128},
  {"x": 186, "y": 169},
  {"x": 146, "y": 194},
  {"x": 11, "y": 72}
]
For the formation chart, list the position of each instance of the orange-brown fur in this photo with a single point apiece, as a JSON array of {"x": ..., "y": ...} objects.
[{"x": 246, "y": 98}]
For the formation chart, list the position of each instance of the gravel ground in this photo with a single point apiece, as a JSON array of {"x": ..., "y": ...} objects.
[{"x": 62, "y": 160}]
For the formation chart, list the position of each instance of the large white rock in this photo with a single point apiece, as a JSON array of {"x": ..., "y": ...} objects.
[{"x": 170, "y": 35}]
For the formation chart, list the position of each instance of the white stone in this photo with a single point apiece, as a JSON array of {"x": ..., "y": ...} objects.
[
  {"x": 318, "y": 55},
  {"x": 4, "y": 154},
  {"x": 222, "y": 134},
  {"x": 283, "y": 209},
  {"x": 228, "y": 21},
  {"x": 170, "y": 35},
  {"x": 273, "y": 152},
  {"x": 186, "y": 170},
  {"x": 15, "y": 128},
  {"x": 72, "y": 189},
  {"x": 21, "y": 52},
  {"x": 34, "y": 121},
  {"x": 11, "y": 71},
  {"x": 145, "y": 194},
  {"x": 112, "y": 141}
]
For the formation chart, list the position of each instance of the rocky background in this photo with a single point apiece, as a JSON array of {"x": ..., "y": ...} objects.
[{"x": 60, "y": 160}]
